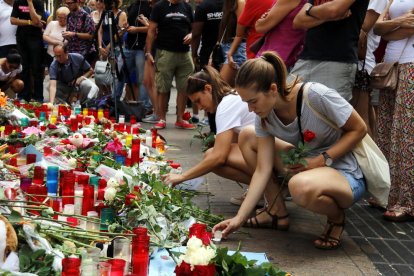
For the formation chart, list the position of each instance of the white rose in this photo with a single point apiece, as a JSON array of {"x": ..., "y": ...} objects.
[
  {"x": 110, "y": 193},
  {"x": 73, "y": 163},
  {"x": 112, "y": 183}
]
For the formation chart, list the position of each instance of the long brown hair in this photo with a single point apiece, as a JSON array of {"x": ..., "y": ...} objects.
[{"x": 209, "y": 75}]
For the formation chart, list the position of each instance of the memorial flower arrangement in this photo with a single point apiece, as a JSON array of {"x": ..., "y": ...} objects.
[{"x": 135, "y": 193}]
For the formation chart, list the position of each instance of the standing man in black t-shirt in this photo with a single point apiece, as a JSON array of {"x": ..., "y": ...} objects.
[
  {"x": 137, "y": 14},
  {"x": 27, "y": 15},
  {"x": 330, "y": 52},
  {"x": 206, "y": 24},
  {"x": 173, "y": 20}
]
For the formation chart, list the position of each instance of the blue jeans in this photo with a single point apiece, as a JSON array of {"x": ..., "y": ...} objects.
[
  {"x": 135, "y": 60},
  {"x": 357, "y": 185},
  {"x": 239, "y": 57}
]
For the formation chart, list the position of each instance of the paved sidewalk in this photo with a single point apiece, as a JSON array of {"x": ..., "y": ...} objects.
[{"x": 370, "y": 245}]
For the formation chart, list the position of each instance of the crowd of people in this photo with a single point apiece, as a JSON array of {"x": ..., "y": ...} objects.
[{"x": 288, "y": 68}]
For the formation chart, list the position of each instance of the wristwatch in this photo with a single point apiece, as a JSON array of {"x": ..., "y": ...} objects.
[
  {"x": 328, "y": 159},
  {"x": 307, "y": 12}
]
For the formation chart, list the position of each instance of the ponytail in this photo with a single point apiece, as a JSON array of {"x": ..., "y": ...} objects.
[
  {"x": 209, "y": 75},
  {"x": 259, "y": 73}
]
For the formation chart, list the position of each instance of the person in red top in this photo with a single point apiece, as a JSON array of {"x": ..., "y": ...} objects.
[{"x": 252, "y": 11}]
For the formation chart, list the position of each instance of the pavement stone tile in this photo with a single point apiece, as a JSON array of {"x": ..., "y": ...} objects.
[
  {"x": 404, "y": 270},
  {"x": 389, "y": 254}
]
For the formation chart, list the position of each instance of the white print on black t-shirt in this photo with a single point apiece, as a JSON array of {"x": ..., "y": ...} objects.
[
  {"x": 214, "y": 15},
  {"x": 177, "y": 15}
]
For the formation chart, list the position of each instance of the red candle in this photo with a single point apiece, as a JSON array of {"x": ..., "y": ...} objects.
[
  {"x": 128, "y": 128},
  {"x": 74, "y": 124},
  {"x": 71, "y": 266},
  {"x": 38, "y": 175},
  {"x": 117, "y": 267},
  {"x": 83, "y": 179},
  {"x": 88, "y": 202},
  {"x": 140, "y": 251},
  {"x": 106, "y": 113},
  {"x": 132, "y": 119},
  {"x": 135, "y": 149},
  {"x": 68, "y": 188},
  {"x": 30, "y": 158},
  {"x": 154, "y": 137}
]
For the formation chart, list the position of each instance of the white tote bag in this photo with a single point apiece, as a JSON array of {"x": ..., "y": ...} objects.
[{"x": 371, "y": 160}]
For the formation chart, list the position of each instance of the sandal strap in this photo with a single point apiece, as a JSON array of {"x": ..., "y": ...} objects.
[{"x": 275, "y": 216}]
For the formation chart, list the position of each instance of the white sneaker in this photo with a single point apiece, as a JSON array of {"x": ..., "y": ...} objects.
[{"x": 151, "y": 119}]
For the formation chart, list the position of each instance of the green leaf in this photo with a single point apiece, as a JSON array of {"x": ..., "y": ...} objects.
[
  {"x": 225, "y": 266},
  {"x": 24, "y": 263},
  {"x": 15, "y": 217},
  {"x": 37, "y": 254}
]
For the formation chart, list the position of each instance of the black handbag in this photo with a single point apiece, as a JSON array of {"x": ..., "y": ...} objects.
[
  {"x": 362, "y": 79},
  {"x": 217, "y": 55}
]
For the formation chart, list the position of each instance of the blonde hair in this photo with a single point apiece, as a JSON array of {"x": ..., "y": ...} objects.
[{"x": 63, "y": 10}]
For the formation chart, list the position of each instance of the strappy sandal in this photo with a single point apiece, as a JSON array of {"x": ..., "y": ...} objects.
[
  {"x": 326, "y": 241},
  {"x": 253, "y": 222}
]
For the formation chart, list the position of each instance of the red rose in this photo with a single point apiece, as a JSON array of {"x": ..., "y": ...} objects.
[
  {"x": 308, "y": 136},
  {"x": 129, "y": 198},
  {"x": 50, "y": 126},
  {"x": 187, "y": 116},
  {"x": 206, "y": 237},
  {"x": 204, "y": 270},
  {"x": 183, "y": 269}
]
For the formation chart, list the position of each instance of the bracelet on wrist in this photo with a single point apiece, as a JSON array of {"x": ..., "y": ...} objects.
[{"x": 29, "y": 22}]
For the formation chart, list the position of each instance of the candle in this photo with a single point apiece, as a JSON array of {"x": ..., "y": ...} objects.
[
  {"x": 154, "y": 137},
  {"x": 71, "y": 267},
  {"x": 107, "y": 217},
  {"x": 140, "y": 251},
  {"x": 91, "y": 225},
  {"x": 117, "y": 267},
  {"x": 78, "y": 199},
  {"x": 104, "y": 268},
  {"x": 128, "y": 140},
  {"x": 52, "y": 180},
  {"x": 122, "y": 250},
  {"x": 68, "y": 188}
]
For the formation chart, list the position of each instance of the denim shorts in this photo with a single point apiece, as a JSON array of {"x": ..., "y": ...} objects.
[
  {"x": 357, "y": 185},
  {"x": 239, "y": 56}
]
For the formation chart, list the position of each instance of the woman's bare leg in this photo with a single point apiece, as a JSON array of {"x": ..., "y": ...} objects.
[{"x": 273, "y": 193}]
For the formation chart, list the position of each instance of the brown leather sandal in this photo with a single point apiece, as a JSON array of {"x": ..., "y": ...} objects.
[
  {"x": 253, "y": 222},
  {"x": 326, "y": 241}
]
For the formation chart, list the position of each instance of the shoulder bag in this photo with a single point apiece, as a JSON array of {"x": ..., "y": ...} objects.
[
  {"x": 371, "y": 160},
  {"x": 384, "y": 76},
  {"x": 217, "y": 55},
  {"x": 103, "y": 74}
]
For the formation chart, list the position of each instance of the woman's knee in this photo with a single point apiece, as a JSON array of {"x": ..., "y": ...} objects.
[
  {"x": 17, "y": 85},
  {"x": 301, "y": 190}
]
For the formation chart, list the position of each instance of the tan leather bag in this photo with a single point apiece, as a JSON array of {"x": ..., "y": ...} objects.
[{"x": 384, "y": 76}]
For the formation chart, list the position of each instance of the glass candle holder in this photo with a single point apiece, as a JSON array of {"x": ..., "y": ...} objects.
[
  {"x": 117, "y": 267},
  {"x": 107, "y": 217},
  {"x": 38, "y": 175},
  {"x": 30, "y": 158},
  {"x": 90, "y": 261},
  {"x": 52, "y": 180},
  {"x": 91, "y": 225},
  {"x": 71, "y": 267},
  {"x": 122, "y": 250},
  {"x": 25, "y": 183},
  {"x": 104, "y": 269}
]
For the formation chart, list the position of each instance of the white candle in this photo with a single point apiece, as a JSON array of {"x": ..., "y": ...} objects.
[{"x": 78, "y": 199}]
